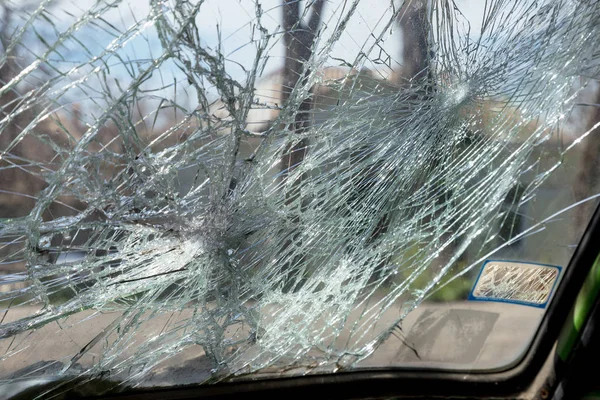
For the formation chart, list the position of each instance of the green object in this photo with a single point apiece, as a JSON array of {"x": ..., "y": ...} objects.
[{"x": 579, "y": 313}]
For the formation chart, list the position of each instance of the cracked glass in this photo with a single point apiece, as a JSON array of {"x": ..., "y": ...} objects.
[{"x": 199, "y": 191}]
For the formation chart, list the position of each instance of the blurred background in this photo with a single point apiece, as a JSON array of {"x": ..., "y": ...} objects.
[{"x": 34, "y": 140}]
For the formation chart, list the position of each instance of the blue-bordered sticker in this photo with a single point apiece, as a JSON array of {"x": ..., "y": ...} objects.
[{"x": 515, "y": 282}]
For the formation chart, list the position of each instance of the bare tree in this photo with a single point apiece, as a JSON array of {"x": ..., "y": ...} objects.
[
  {"x": 414, "y": 25},
  {"x": 299, "y": 40},
  {"x": 15, "y": 182},
  {"x": 22, "y": 158},
  {"x": 413, "y": 21}
]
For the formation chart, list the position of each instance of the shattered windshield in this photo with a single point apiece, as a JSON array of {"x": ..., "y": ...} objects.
[{"x": 194, "y": 191}]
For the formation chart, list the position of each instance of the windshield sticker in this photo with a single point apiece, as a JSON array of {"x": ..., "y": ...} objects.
[{"x": 515, "y": 282}]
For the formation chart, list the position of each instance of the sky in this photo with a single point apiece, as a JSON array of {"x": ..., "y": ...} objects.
[
  {"x": 235, "y": 18},
  {"x": 234, "y": 21}
]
